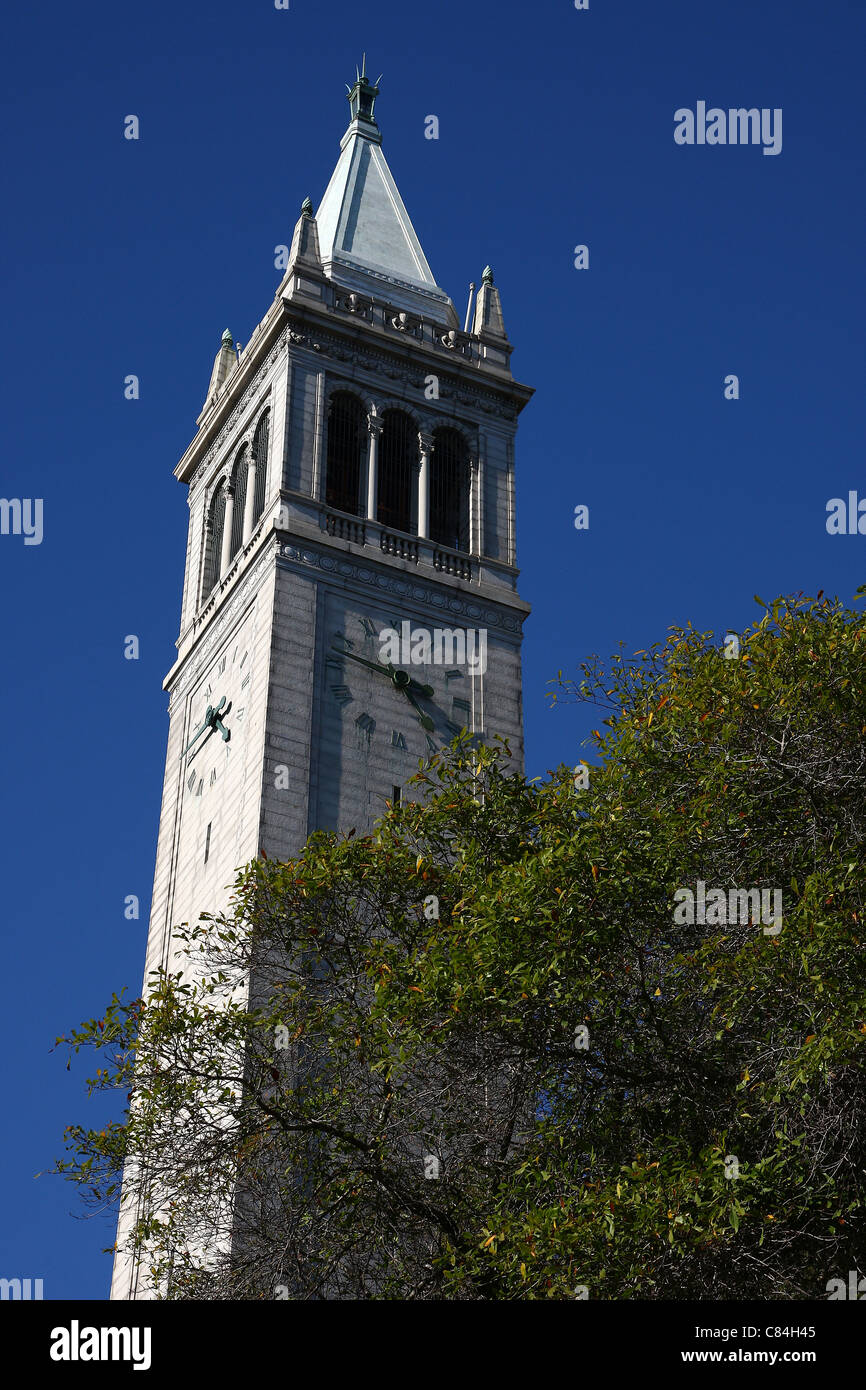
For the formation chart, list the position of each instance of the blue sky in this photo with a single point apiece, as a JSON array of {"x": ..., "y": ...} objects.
[{"x": 556, "y": 129}]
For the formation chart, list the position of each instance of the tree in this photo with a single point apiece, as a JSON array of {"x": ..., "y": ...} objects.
[{"x": 485, "y": 1055}]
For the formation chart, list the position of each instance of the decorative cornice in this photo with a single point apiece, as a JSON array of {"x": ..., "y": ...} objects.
[
  {"x": 376, "y": 580},
  {"x": 436, "y": 296},
  {"x": 390, "y": 365}
]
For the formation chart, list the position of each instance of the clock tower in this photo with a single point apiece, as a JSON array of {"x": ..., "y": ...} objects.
[{"x": 350, "y": 595}]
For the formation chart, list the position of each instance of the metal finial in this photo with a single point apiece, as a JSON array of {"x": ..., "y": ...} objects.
[
  {"x": 228, "y": 340},
  {"x": 307, "y": 207},
  {"x": 487, "y": 276},
  {"x": 362, "y": 97}
]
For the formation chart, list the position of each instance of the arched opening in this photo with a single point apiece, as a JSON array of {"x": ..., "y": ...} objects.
[
  {"x": 347, "y": 421},
  {"x": 260, "y": 454},
  {"x": 449, "y": 489},
  {"x": 239, "y": 478},
  {"x": 398, "y": 457},
  {"x": 214, "y": 538}
]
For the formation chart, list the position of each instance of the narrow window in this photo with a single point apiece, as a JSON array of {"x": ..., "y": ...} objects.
[
  {"x": 398, "y": 455},
  {"x": 396, "y": 796},
  {"x": 207, "y": 842},
  {"x": 346, "y": 438},
  {"x": 214, "y": 537},
  {"x": 260, "y": 454},
  {"x": 239, "y": 477},
  {"x": 449, "y": 489}
]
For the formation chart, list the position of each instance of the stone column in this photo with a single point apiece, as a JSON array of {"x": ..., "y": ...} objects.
[
  {"x": 374, "y": 425},
  {"x": 250, "y": 499},
  {"x": 425, "y": 444},
  {"x": 228, "y": 517}
]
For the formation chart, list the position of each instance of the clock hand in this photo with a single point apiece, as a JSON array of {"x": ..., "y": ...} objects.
[
  {"x": 198, "y": 734},
  {"x": 195, "y": 753},
  {"x": 401, "y": 679},
  {"x": 374, "y": 665},
  {"x": 423, "y": 719},
  {"x": 212, "y": 722},
  {"x": 217, "y": 723},
  {"x": 425, "y": 690}
]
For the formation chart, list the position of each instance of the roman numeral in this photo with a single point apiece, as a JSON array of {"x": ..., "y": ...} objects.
[{"x": 365, "y": 725}]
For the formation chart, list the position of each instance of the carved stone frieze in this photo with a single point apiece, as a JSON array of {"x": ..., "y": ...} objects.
[{"x": 383, "y": 364}]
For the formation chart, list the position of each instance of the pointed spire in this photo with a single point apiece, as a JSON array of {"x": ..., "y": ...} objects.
[
  {"x": 304, "y": 275},
  {"x": 368, "y": 243},
  {"x": 488, "y": 310},
  {"x": 305, "y": 242},
  {"x": 224, "y": 363}
]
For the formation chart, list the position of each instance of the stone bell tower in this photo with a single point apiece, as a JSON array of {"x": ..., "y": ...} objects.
[{"x": 350, "y": 483}]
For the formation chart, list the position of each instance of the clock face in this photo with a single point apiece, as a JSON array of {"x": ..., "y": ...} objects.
[
  {"x": 217, "y": 713},
  {"x": 386, "y": 703},
  {"x": 219, "y": 823}
]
